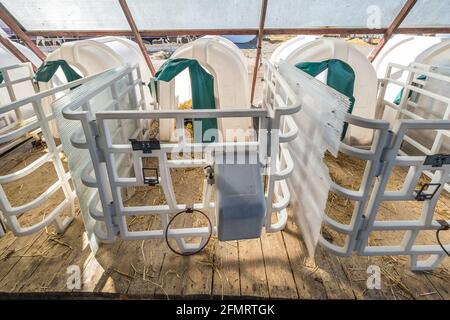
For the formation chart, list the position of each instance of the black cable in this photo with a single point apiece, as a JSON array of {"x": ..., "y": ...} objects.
[
  {"x": 188, "y": 210},
  {"x": 444, "y": 226}
]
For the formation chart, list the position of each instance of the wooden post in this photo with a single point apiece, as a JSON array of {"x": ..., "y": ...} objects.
[
  {"x": 16, "y": 52},
  {"x": 262, "y": 20},
  {"x": 136, "y": 34},
  {"x": 12, "y": 24},
  {"x": 392, "y": 28}
]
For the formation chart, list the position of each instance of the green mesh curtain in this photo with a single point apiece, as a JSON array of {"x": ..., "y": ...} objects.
[
  {"x": 398, "y": 98},
  {"x": 340, "y": 77},
  {"x": 47, "y": 70},
  {"x": 202, "y": 90}
]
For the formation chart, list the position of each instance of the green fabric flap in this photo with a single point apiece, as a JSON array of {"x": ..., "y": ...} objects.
[
  {"x": 202, "y": 89},
  {"x": 340, "y": 77},
  {"x": 1, "y": 77},
  {"x": 398, "y": 98},
  {"x": 48, "y": 69}
]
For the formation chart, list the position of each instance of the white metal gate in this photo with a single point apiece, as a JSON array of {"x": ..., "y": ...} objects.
[
  {"x": 105, "y": 126},
  {"x": 39, "y": 121},
  {"x": 387, "y": 151}
]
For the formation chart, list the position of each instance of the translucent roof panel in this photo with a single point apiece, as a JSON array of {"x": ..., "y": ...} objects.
[
  {"x": 68, "y": 14},
  {"x": 195, "y": 14},
  {"x": 37, "y": 15},
  {"x": 332, "y": 13},
  {"x": 429, "y": 13}
]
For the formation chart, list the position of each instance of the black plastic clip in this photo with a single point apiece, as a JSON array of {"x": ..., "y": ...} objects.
[
  {"x": 151, "y": 180},
  {"x": 437, "y": 160},
  {"x": 425, "y": 194},
  {"x": 145, "y": 146},
  {"x": 189, "y": 208}
]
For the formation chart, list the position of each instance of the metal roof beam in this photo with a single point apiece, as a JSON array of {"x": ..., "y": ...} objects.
[
  {"x": 199, "y": 32},
  {"x": 392, "y": 28},
  {"x": 136, "y": 34},
  {"x": 262, "y": 20},
  {"x": 16, "y": 52},
  {"x": 14, "y": 26}
]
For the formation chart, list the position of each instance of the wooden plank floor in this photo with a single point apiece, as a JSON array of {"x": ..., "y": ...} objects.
[{"x": 274, "y": 266}]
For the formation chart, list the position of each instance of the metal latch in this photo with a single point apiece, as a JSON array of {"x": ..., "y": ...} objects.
[
  {"x": 437, "y": 160},
  {"x": 152, "y": 180},
  {"x": 427, "y": 191},
  {"x": 145, "y": 146}
]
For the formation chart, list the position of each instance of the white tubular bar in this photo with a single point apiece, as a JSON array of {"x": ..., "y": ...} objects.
[{"x": 25, "y": 231}]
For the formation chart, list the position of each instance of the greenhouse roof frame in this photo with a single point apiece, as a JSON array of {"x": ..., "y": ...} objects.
[
  {"x": 10, "y": 9},
  {"x": 6, "y": 6}
]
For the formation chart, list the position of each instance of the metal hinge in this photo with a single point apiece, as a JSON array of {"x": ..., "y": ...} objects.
[
  {"x": 99, "y": 150},
  {"x": 384, "y": 153},
  {"x": 95, "y": 133},
  {"x": 361, "y": 234},
  {"x": 114, "y": 218}
]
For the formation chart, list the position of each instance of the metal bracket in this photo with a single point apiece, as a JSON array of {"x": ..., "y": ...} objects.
[
  {"x": 145, "y": 146},
  {"x": 437, "y": 160},
  {"x": 110, "y": 208},
  {"x": 209, "y": 174},
  {"x": 444, "y": 224},
  {"x": 384, "y": 154},
  {"x": 152, "y": 180},
  {"x": 189, "y": 208},
  {"x": 361, "y": 234},
  {"x": 424, "y": 194}
]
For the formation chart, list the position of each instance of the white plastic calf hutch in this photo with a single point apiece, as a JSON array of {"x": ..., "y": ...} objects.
[
  {"x": 312, "y": 49},
  {"x": 227, "y": 64}
]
